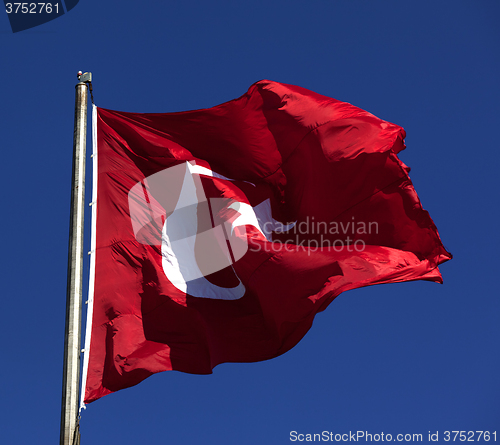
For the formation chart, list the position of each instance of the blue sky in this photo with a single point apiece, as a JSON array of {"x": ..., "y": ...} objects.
[{"x": 402, "y": 358}]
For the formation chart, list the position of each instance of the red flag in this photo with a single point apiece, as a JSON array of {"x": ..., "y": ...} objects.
[{"x": 220, "y": 233}]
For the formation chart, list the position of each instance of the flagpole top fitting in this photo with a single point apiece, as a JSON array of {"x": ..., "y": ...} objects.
[{"x": 84, "y": 77}]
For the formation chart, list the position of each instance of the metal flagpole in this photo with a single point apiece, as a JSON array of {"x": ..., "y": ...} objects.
[{"x": 71, "y": 373}]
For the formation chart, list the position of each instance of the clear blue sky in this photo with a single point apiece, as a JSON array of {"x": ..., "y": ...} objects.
[{"x": 401, "y": 358}]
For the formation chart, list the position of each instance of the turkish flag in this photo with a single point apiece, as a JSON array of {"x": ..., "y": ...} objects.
[{"x": 218, "y": 234}]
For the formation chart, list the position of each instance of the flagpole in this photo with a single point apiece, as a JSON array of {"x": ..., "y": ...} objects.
[{"x": 71, "y": 372}]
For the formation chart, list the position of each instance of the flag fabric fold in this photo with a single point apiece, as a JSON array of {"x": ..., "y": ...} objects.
[{"x": 220, "y": 233}]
